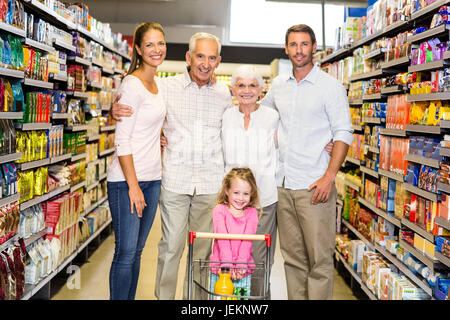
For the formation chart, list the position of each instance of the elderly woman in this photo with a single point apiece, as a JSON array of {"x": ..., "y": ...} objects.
[{"x": 249, "y": 134}]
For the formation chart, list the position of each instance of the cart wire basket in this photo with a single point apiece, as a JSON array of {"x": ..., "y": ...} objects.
[{"x": 202, "y": 274}]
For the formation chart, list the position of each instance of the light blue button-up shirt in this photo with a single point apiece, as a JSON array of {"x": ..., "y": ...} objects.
[{"x": 312, "y": 112}]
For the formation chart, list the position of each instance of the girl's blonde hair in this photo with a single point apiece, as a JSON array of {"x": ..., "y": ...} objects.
[
  {"x": 136, "y": 59},
  {"x": 244, "y": 174}
]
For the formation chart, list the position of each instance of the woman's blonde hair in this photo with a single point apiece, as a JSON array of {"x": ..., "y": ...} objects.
[
  {"x": 136, "y": 59},
  {"x": 244, "y": 174}
]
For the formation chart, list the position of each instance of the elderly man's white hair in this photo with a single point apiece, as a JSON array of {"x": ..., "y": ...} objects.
[
  {"x": 201, "y": 36},
  {"x": 247, "y": 72}
]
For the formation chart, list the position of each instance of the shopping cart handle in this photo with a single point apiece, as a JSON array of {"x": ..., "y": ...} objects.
[{"x": 230, "y": 236}]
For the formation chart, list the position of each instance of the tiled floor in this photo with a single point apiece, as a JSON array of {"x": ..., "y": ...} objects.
[{"x": 95, "y": 272}]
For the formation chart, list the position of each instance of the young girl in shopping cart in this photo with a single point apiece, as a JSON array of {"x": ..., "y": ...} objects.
[{"x": 235, "y": 213}]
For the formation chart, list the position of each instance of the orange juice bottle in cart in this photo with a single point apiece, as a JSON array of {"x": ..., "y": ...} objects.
[{"x": 224, "y": 285}]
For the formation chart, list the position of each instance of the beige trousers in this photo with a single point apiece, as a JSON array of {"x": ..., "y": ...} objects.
[
  {"x": 181, "y": 213},
  {"x": 307, "y": 240}
]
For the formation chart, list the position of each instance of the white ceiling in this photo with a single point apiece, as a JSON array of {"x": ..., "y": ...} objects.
[{"x": 123, "y": 15}]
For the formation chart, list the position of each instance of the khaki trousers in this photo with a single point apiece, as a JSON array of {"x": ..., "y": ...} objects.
[
  {"x": 307, "y": 240},
  {"x": 267, "y": 224},
  {"x": 181, "y": 213}
]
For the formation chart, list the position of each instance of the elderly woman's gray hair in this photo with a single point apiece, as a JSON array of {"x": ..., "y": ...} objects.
[{"x": 246, "y": 72}]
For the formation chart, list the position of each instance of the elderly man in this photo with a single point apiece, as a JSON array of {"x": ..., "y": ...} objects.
[{"x": 193, "y": 166}]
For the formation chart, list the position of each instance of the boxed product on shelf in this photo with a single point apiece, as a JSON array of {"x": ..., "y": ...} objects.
[
  {"x": 76, "y": 78},
  {"x": 37, "y": 107},
  {"x": 91, "y": 175},
  {"x": 392, "y": 154},
  {"x": 62, "y": 212},
  {"x": 355, "y": 254},
  {"x": 444, "y": 206},
  {"x": 32, "y": 221},
  {"x": 92, "y": 152},
  {"x": 397, "y": 112},
  {"x": 9, "y": 221},
  {"x": 402, "y": 197},
  {"x": 68, "y": 240},
  {"x": 12, "y": 271}
]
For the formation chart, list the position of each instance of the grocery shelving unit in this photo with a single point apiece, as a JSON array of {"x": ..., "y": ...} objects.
[
  {"x": 41, "y": 290},
  {"x": 439, "y": 262}
]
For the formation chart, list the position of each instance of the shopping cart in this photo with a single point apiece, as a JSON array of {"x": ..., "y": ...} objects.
[{"x": 202, "y": 273}]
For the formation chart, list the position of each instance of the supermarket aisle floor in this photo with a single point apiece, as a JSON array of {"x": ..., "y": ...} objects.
[{"x": 94, "y": 274}]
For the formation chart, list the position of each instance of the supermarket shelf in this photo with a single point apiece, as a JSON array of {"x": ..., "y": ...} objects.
[
  {"x": 60, "y": 158},
  {"x": 367, "y": 242},
  {"x": 59, "y": 115},
  {"x": 392, "y": 175},
  {"x": 79, "y": 60},
  {"x": 9, "y": 242},
  {"x": 428, "y": 10},
  {"x": 93, "y": 137},
  {"x": 354, "y": 274},
  {"x": 433, "y": 264},
  {"x": 355, "y": 102},
  {"x": 341, "y": 53},
  {"x": 58, "y": 77},
  {"x": 38, "y": 45},
  {"x": 368, "y": 292},
  {"x": 106, "y": 152},
  {"x": 31, "y": 290},
  {"x": 33, "y": 164},
  {"x": 428, "y": 96},
  {"x": 369, "y": 171},
  {"x": 78, "y": 186},
  {"x": 9, "y": 199},
  {"x": 395, "y": 26},
  {"x": 108, "y": 70},
  {"x": 92, "y": 163},
  {"x": 429, "y": 66},
  {"x": 107, "y": 128},
  {"x": 375, "y": 53},
  {"x": 367, "y": 75},
  {"x": 96, "y": 85},
  {"x": 371, "y": 97},
  {"x": 444, "y": 124},
  {"x": 443, "y": 259},
  {"x": 44, "y": 197},
  {"x": 444, "y": 152},
  {"x": 395, "y": 63},
  {"x": 352, "y": 185},
  {"x": 35, "y": 237},
  {"x": 393, "y": 89},
  {"x": 63, "y": 45},
  {"x": 431, "y": 33},
  {"x": 92, "y": 186},
  {"x": 423, "y": 128},
  {"x": 373, "y": 120},
  {"x": 12, "y": 73},
  {"x": 423, "y": 193},
  {"x": 380, "y": 212},
  {"x": 10, "y": 157},
  {"x": 97, "y": 62},
  {"x": 77, "y": 127},
  {"x": 103, "y": 176},
  {"x": 418, "y": 229},
  {"x": 11, "y": 115},
  {"x": 393, "y": 132},
  {"x": 422, "y": 160},
  {"x": 442, "y": 222},
  {"x": 356, "y": 127},
  {"x": 95, "y": 205},
  {"x": 371, "y": 148},
  {"x": 404, "y": 269},
  {"x": 78, "y": 94},
  {"x": 353, "y": 160},
  {"x": 79, "y": 157},
  {"x": 367, "y": 39},
  {"x": 33, "y": 126},
  {"x": 12, "y": 29}
]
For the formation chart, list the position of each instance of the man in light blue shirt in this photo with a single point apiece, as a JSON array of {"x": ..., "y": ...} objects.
[{"x": 313, "y": 109}]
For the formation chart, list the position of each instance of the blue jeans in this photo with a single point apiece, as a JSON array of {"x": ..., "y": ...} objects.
[{"x": 130, "y": 233}]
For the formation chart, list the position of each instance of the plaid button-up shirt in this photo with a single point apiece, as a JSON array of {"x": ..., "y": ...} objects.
[{"x": 193, "y": 159}]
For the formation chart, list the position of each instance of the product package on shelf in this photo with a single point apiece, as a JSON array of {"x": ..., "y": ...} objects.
[
  {"x": 12, "y": 271},
  {"x": 9, "y": 221},
  {"x": 32, "y": 221},
  {"x": 397, "y": 112}
]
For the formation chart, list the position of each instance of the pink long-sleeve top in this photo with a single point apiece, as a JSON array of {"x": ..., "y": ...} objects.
[{"x": 233, "y": 250}]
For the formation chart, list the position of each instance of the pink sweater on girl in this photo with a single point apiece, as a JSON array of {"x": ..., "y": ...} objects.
[{"x": 233, "y": 250}]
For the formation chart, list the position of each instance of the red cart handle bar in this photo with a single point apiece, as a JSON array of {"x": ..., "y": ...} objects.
[{"x": 230, "y": 236}]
